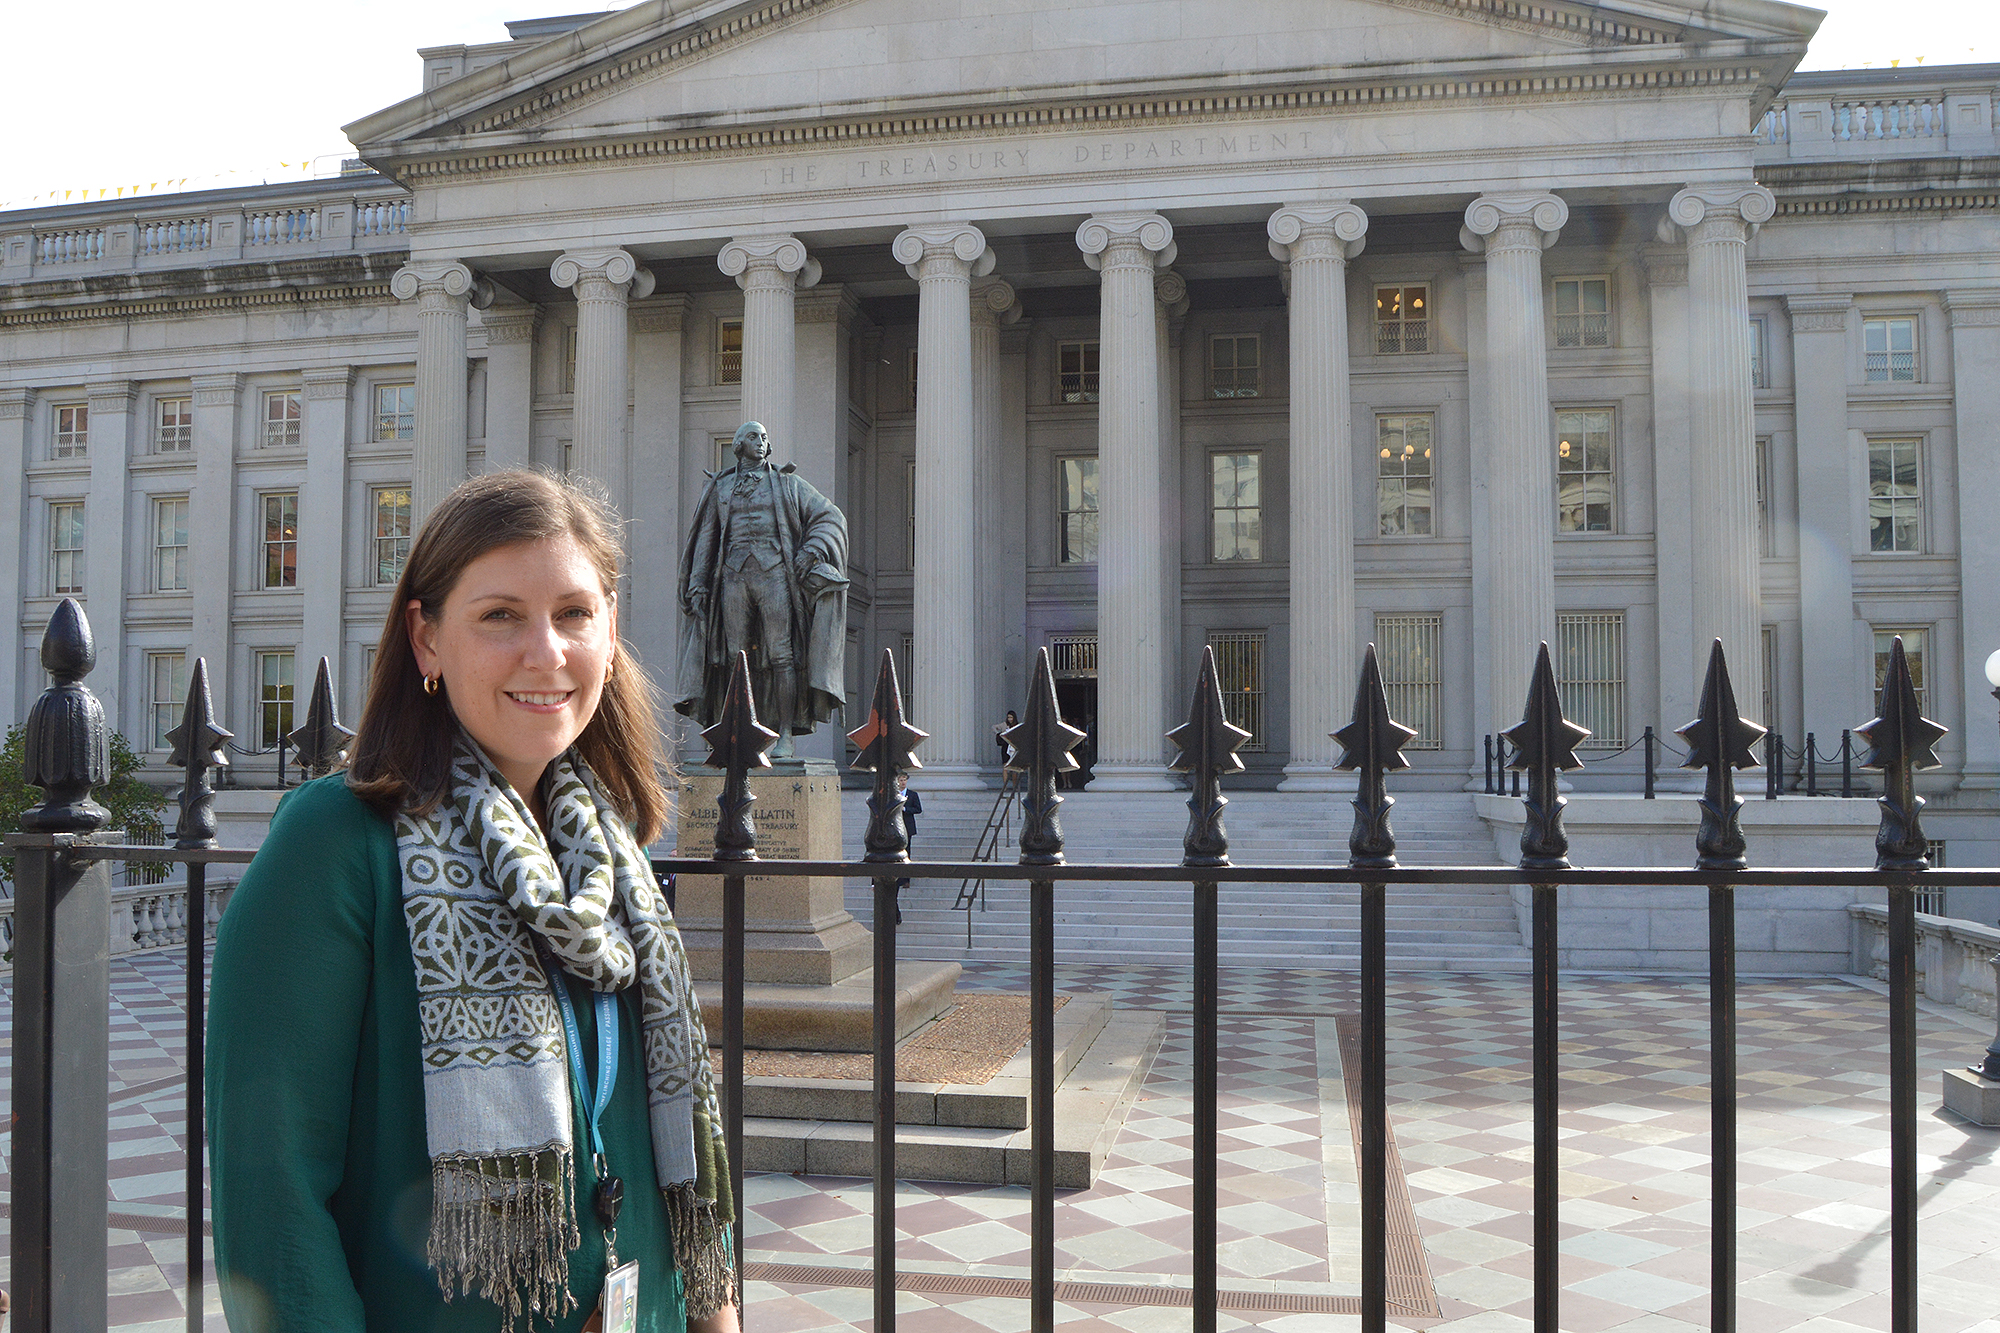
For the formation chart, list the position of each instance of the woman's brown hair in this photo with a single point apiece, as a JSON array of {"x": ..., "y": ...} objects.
[{"x": 401, "y": 756}]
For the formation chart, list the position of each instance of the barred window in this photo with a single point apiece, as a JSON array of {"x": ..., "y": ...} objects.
[
  {"x": 729, "y": 351},
  {"x": 1590, "y": 672},
  {"x": 72, "y": 431},
  {"x": 1757, "y": 354},
  {"x": 66, "y": 548},
  {"x": 1235, "y": 366},
  {"x": 395, "y": 412},
  {"x": 281, "y": 539},
  {"x": 1404, "y": 474},
  {"x": 166, "y": 686},
  {"x": 170, "y": 544},
  {"x": 1764, "y": 495},
  {"x": 281, "y": 419},
  {"x": 1895, "y": 496},
  {"x": 1073, "y": 655},
  {"x": 1403, "y": 319},
  {"x": 1076, "y": 372},
  {"x": 1913, "y": 652},
  {"x": 1583, "y": 312},
  {"x": 1407, "y": 649},
  {"x": 274, "y": 699},
  {"x": 1890, "y": 350},
  {"x": 391, "y": 506},
  {"x": 173, "y": 425},
  {"x": 1237, "y": 506},
  {"x": 1239, "y": 670},
  {"x": 1077, "y": 516},
  {"x": 1585, "y": 485}
]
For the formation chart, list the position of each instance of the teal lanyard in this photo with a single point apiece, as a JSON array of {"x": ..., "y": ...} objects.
[{"x": 607, "y": 1051}]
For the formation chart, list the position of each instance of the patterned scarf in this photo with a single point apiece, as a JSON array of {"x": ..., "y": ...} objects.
[{"x": 484, "y": 898}]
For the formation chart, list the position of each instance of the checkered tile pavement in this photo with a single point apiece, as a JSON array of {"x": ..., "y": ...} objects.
[{"x": 1814, "y": 1164}]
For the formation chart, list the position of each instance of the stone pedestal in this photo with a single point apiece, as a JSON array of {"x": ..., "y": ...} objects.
[{"x": 1975, "y": 1098}]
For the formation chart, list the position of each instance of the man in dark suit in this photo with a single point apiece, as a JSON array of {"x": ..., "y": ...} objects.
[{"x": 913, "y": 805}]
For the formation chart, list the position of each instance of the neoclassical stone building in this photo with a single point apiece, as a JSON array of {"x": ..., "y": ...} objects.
[{"x": 1452, "y": 325}]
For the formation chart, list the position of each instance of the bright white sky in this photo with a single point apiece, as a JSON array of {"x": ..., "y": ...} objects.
[{"x": 151, "y": 96}]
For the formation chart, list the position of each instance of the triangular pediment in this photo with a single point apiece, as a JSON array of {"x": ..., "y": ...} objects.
[{"x": 730, "y": 67}]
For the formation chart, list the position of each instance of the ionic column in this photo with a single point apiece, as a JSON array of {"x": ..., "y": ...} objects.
[
  {"x": 1834, "y": 670},
  {"x": 17, "y": 413},
  {"x": 324, "y": 525},
  {"x": 1128, "y": 248},
  {"x": 604, "y": 281},
  {"x": 771, "y": 270},
  {"x": 437, "y": 453},
  {"x": 105, "y": 532},
  {"x": 1726, "y": 598},
  {"x": 1517, "y": 563},
  {"x": 510, "y": 356},
  {"x": 650, "y": 619},
  {"x": 1170, "y": 307},
  {"x": 1000, "y": 624},
  {"x": 1975, "y": 350},
  {"x": 212, "y": 578},
  {"x": 1315, "y": 241}
]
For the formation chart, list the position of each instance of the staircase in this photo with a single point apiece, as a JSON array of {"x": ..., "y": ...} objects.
[{"x": 1444, "y": 927}]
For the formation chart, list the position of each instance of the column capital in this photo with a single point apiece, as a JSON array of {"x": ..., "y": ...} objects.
[
  {"x": 217, "y": 390},
  {"x": 1748, "y": 204},
  {"x": 746, "y": 258},
  {"x": 994, "y": 301},
  {"x": 954, "y": 245},
  {"x": 112, "y": 396},
  {"x": 1539, "y": 213},
  {"x": 327, "y": 381},
  {"x": 1973, "y": 309},
  {"x": 1170, "y": 291},
  {"x": 14, "y": 403},
  {"x": 1317, "y": 231},
  {"x": 510, "y": 324},
  {"x": 1819, "y": 312},
  {"x": 447, "y": 278},
  {"x": 1148, "y": 234},
  {"x": 613, "y": 266}
]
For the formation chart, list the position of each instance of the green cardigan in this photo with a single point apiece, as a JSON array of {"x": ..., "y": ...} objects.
[{"x": 320, "y": 1178}]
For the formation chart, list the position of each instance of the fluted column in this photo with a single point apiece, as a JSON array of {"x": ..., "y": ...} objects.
[
  {"x": 510, "y": 356},
  {"x": 105, "y": 533},
  {"x": 17, "y": 414},
  {"x": 1834, "y": 670},
  {"x": 771, "y": 270},
  {"x": 1315, "y": 241},
  {"x": 998, "y": 626},
  {"x": 605, "y": 282},
  {"x": 324, "y": 528},
  {"x": 1518, "y": 574},
  {"x": 442, "y": 292},
  {"x": 1722, "y": 431},
  {"x": 1975, "y": 350},
  {"x": 212, "y": 574},
  {"x": 1170, "y": 307},
  {"x": 1127, "y": 249}
]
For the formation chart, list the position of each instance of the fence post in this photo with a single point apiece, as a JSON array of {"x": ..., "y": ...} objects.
[
  {"x": 1846, "y": 762},
  {"x": 1812, "y": 764},
  {"x": 1774, "y": 766},
  {"x": 1489, "y": 763},
  {"x": 1649, "y": 763},
  {"x": 62, "y": 1003}
]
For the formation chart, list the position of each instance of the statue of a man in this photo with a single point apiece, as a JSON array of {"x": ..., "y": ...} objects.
[{"x": 765, "y": 570}]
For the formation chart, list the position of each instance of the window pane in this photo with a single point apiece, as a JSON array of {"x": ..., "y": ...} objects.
[
  {"x": 729, "y": 352},
  {"x": 1407, "y": 650},
  {"x": 1403, "y": 467},
  {"x": 1585, "y": 471},
  {"x": 392, "y": 533},
  {"x": 1237, "y": 512},
  {"x": 1078, "y": 512}
]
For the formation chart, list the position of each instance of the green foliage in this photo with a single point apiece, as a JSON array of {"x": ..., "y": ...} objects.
[{"x": 134, "y": 806}]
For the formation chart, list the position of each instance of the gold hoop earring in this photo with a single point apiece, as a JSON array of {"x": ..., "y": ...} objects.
[
  {"x": 609, "y": 668},
  {"x": 431, "y": 684}
]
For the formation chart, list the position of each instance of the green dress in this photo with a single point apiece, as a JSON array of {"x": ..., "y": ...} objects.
[{"x": 320, "y": 1180}]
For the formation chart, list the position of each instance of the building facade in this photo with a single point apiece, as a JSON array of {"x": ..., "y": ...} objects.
[{"x": 1454, "y": 326}]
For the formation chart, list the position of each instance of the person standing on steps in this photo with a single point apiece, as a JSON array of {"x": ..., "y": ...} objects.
[
  {"x": 1000, "y": 739},
  {"x": 913, "y": 805}
]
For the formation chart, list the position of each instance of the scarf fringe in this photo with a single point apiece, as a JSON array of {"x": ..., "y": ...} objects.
[
  {"x": 503, "y": 1227},
  {"x": 704, "y": 1251}
]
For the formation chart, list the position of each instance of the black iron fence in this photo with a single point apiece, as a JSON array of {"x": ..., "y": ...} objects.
[{"x": 61, "y": 974}]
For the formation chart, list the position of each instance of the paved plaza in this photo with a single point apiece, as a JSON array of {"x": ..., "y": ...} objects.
[{"x": 1813, "y": 1204}]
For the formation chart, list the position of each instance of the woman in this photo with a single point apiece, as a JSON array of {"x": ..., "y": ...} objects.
[{"x": 409, "y": 1125}]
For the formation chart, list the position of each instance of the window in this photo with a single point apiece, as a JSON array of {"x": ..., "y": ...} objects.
[
  {"x": 910, "y": 511},
  {"x": 1757, "y": 380},
  {"x": 1590, "y": 672},
  {"x": 395, "y": 412},
  {"x": 392, "y": 531},
  {"x": 1769, "y": 642},
  {"x": 281, "y": 418},
  {"x": 173, "y": 425},
  {"x": 274, "y": 699},
  {"x": 281, "y": 539},
  {"x": 1890, "y": 350},
  {"x": 170, "y": 544},
  {"x": 1913, "y": 652},
  {"x": 1763, "y": 495},
  {"x": 725, "y": 452},
  {"x": 1076, "y": 372},
  {"x": 1239, "y": 670},
  {"x": 66, "y": 548},
  {"x": 1072, "y": 656},
  {"x": 1895, "y": 496},
  {"x": 907, "y": 681},
  {"x": 1078, "y": 515},
  {"x": 1402, "y": 319},
  {"x": 166, "y": 686},
  {"x": 72, "y": 433},
  {"x": 1583, "y": 312},
  {"x": 910, "y": 378},
  {"x": 1583, "y": 472},
  {"x": 569, "y": 359},
  {"x": 1238, "y": 505},
  {"x": 1403, "y": 475},
  {"x": 1234, "y": 366},
  {"x": 729, "y": 352},
  {"x": 1406, "y": 649}
]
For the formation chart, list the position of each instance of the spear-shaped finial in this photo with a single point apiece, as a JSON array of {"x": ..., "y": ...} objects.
[
  {"x": 200, "y": 746},
  {"x": 1208, "y": 742},
  {"x": 67, "y": 749},
  {"x": 1544, "y": 743},
  {"x": 1900, "y": 740},
  {"x": 1372, "y": 744},
  {"x": 737, "y": 743},
  {"x": 1041, "y": 749},
  {"x": 321, "y": 742},
  {"x": 885, "y": 741},
  {"x": 1719, "y": 740}
]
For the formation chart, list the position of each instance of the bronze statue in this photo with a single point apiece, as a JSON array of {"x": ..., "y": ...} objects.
[{"x": 764, "y": 571}]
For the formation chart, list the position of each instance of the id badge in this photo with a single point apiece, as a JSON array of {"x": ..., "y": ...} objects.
[{"x": 620, "y": 1304}]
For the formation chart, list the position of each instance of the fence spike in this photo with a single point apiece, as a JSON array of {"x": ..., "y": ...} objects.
[
  {"x": 1719, "y": 740},
  {"x": 321, "y": 742},
  {"x": 67, "y": 748},
  {"x": 1208, "y": 742},
  {"x": 737, "y": 743},
  {"x": 1544, "y": 744},
  {"x": 884, "y": 743},
  {"x": 1041, "y": 743},
  {"x": 1372, "y": 745},
  {"x": 1900, "y": 741},
  {"x": 200, "y": 746}
]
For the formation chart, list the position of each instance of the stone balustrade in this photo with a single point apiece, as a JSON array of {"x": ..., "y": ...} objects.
[
  {"x": 1954, "y": 957},
  {"x": 1914, "y": 115},
  {"x": 148, "y": 916}
]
